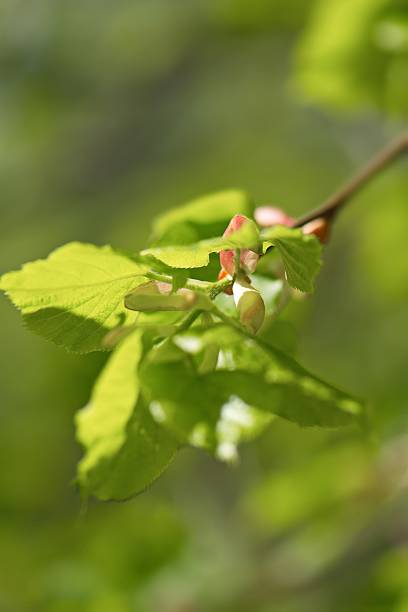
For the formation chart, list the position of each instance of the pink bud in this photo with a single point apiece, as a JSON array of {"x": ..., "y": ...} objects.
[
  {"x": 248, "y": 258},
  {"x": 267, "y": 216},
  {"x": 319, "y": 228}
]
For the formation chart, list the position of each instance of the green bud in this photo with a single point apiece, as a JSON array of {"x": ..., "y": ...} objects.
[{"x": 250, "y": 305}]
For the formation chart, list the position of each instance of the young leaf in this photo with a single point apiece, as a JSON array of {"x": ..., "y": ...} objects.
[
  {"x": 215, "y": 409},
  {"x": 198, "y": 255},
  {"x": 125, "y": 449},
  {"x": 201, "y": 218},
  {"x": 248, "y": 260},
  {"x": 198, "y": 414},
  {"x": 75, "y": 296},
  {"x": 301, "y": 255},
  {"x": 267, "y": 379}
]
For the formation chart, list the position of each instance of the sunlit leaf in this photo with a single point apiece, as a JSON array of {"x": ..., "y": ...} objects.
[
  {"x": 264, "y": 377},
  {"x": 75, "y": 296},
  {"x": 301, "y": 255},
  {"x": 197, "y": 412},
  {"x": 125, "y": 449},
  {"x": 198, "y": 255}
]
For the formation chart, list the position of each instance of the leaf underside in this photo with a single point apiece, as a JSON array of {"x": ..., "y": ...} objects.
[{"x": 301, "y": 255}]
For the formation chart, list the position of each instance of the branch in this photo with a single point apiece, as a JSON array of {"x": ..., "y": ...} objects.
[{"x": 329, "y": 209}]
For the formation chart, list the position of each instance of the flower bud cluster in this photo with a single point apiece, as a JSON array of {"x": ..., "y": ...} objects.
[
  {"x": 236, "y": 265},
  {"x": 248, "y": 300}
]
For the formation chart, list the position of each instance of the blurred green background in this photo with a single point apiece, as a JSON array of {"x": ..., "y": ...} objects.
[{"x": 113, "y": 111}]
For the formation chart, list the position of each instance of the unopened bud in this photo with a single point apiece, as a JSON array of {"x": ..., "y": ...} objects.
[
  {"x": 248, "y": 259},
  {"x": 267, "y": 216},
  {"x": 318, "y": 227},
  {"x": 154, "y": 295},
  {"x": 250, "y": 305}
]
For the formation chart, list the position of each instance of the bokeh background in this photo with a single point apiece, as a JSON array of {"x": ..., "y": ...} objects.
[{"x": 114, "y": 110}]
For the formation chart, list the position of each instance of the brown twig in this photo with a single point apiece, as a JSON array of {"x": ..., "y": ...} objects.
[{"x": 334, "y": 203}]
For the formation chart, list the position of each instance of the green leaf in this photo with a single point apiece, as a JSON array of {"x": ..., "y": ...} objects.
[
  {"x": 217, "y": 408},
  {"x": 75, "y": 296},
  {"x": 198, "y": 255},
  {"x": 198, "y": 413},
  {"x": 202, "y": 218},
  {"x": 125, "y": 449},
  {"x": 267, "y": 379},
  {"x": 301, "y": 255}
]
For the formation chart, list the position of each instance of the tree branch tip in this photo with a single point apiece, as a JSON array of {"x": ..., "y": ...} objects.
[{"x": 332, "y": 206}]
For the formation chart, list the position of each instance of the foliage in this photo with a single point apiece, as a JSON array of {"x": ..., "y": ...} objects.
[
  {"x": 112, "y": 113},
  {"x": 210, "y": 381},
  {"x": 74, "y": 296}
]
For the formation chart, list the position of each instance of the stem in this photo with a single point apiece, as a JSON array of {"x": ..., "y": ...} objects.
[
  {"x": 191, "y": 283},
  {"x": 219, "y": 286},
  {"x": 237, "y": 325},
  {"x": 211, "y": 289},
  {"x": 230, "y": 321},
  {"x": 187, "y": 321},
  {"x": 328, "y": 210},
  {"x": 379, "y": 162}
]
